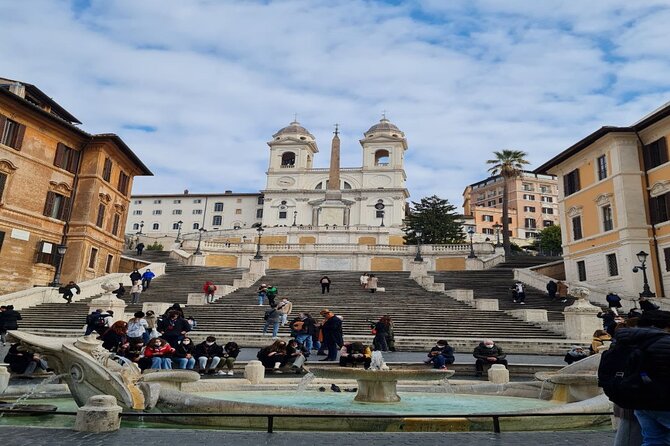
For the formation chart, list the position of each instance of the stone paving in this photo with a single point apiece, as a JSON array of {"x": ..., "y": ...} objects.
[{"x": 29, "y": 436}]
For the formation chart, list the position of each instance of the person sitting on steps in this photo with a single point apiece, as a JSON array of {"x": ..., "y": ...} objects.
[
  {"x": 488, "y": 353},
  {"x": 354, "y": 353},
  {"x": 441, "y": 355}
]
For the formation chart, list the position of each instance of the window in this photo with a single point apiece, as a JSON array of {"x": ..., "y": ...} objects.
[
  {"x": 124, "y": 180},
  {"x": 101, "y": 215},
  {"x": 238, "y": 211},
  {"x": 612, "y": 267},
  {"x": 93, "y": 257},
  {"x": 176, "y": 201},
  {"x": 547, "y": 223},
  {"x": 218, "y": 207},
  {"x": 259, "y": 213},
  {"x": 529, "y": 208},
  {"x": 529, "y": 197},
  {"x": 379, "y": 214},
  {"x": 382, "y": 158},
  {"x": 282, "y": 214},
  {"x": 528, "y": 187},
  {"x": 197, "y": 211},
  {"x": 581, "y": 270},
  {"x": 196, "y": 225},
  {"x": 239, "y": 200},
  {"x": 548, "y": 211},
  {"x": 136, "y": 226},
  {"x": 530, "y": 223},
  {"x": 137, "y": 212},
  {"x": 115, "y": 224},
  {"x": 155, "y": 226},
  {"x": 137, "y": 202},
  {"x": 608, "y": 223},
  {"x": 489, "y": 231},
  {"x": 66, "y": 158},
  {"x": 11, "y": 133},
  {"x": 509, "y": 220},
  {"x": 158, "y": 201},
  {"x": 46, "y": 253},
  {"x": 56, "y": 206},
  {"x": 176, "y": 212},
  {"x": 491, "y": 203},
  {"x": 545, "y": 189},
  {"x": 260, "y": 200},
  {"x": 500, "y": 200},
  {"x": 655, "y": 154},
  {"x": 288, "y": 159},
  {"x": 107, "y": 170},
  {"x": 197, "y": 201},
  {"x": 2, "y": 239},
  {"x": 487, "y": 217},
  {"x": 547, "y": 199},
  {"x": 157, "y": 212},
  {"x": 216, "y": 221},
  {"x": 659, "y": 208},
  {"x": 602, "y": 167},
  {"x": 3, "y": 182},
  {"x": 571, "y": 183},
  {"x": 576, "y": 228},
  {"x": 531, "y": 234},
  {"x": 666, "y": 254},
  {"x": 108, "y": 265},
  {"x": 175, "y": 226}
]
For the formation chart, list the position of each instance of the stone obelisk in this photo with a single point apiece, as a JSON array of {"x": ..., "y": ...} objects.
[{"x": 333, "y": 209}]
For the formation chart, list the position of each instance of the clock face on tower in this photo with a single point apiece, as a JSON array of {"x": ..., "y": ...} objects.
[{"x": 285, "y": 181}]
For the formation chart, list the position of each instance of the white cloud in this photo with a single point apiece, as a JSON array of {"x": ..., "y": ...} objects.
[{"x": 461, "y": 79}]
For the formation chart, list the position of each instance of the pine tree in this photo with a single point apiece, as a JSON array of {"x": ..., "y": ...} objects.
[{"x": 436, "y": 220}]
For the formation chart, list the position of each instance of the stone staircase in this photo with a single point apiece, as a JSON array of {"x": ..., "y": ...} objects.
[{"x": 496, "y": 283}]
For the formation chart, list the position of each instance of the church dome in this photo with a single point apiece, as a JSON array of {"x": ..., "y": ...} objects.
[
  {"x": 293, "y": 130},
  {"x": 384, "y": 127}
]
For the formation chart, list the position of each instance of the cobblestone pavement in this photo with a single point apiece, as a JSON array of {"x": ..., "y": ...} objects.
[{"x": 22, "y": 436}]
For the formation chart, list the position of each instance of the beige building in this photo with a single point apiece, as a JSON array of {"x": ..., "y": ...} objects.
[
  {"x": 533, "y": 200},
  {"x": 614, "y": 203},
  {"x": 59, "y": 187}
]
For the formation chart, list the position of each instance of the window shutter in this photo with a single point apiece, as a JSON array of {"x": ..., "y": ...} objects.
[
  {"x": 3, "y": 121},
  {"x": 3, "y": 181},
  {"x": 65, "y": 209},
  {"x": 577, "y": 185},
  {"x": 663, "y": 151},
  {"x": 19, "y": 137},
  {"x": 74, "y": 161},
  {"x": 49, "y": 205},
  {"x": 666, "y": 252},
  {"x": 60, "y": 155}
]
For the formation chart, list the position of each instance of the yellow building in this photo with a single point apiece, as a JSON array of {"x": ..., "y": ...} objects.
[
  {"x": 614, "y": 202},
  {"x": 59, "y": 187},
  {"x": 532, "y": 206}
]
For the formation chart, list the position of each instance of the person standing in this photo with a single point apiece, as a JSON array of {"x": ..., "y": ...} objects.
[
  {"x": 137, "y": 327},
  {"x": 613, "y": 301},
  {"x": 271, "y": 292},
  {"x": 209, "y": 289},
  {"x": 364, "y": 280},
  {"x": 488, "y": 353},
  {"x": 325, "y": 284},
  {"x": 519, "y": 293},
  {"x": 381, "y": 331},
  {"x": 135, "y": 292},
  {"x": 146, "y": 279},
  {"x": 552, "y": 288},
  {"x": 262, "y": 292},
  {"x": 135, "y": 276},
  {"x": 285, "y": 307},
  {"x": 173, "y": 328},
  {"x": 563, "y": 291},
  {"x": 305, "y": 332},
  {"x": 8, "y": 321},
  {"x": 332, "y": 334},
  {"x": 139, "y": 248},
  {"x": 373, "y": 282},
  {"x": 272, "y": 317},
  {"x": 68, "y": 291}
]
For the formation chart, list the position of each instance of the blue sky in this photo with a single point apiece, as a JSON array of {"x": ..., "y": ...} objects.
[{"x": 196, "y": 88}]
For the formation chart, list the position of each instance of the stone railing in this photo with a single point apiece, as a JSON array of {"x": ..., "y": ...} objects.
[{"x": 480, "y": 248}]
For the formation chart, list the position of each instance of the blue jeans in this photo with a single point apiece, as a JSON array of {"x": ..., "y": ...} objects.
[
  {"x": 158, "y": 362},
  {"x": 185, "y": 363},
  {"x": 305, "y": 340},
  {"x": 655, "y": 426},
  {"x": 261, "y": 298},
  {"x": 439, "y": 361},
  {"x": 275, "y": 328}
]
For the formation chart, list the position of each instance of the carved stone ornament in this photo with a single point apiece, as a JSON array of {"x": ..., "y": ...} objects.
[
  {"x": 659, "y": 188},
  {"x": 105, "y": 198},
  {"x": 7, "y": 166},
  {"x": 603, "y": 199},
  {"x": 120, "y": 207},
  {"x": 61, "y": 188},
  {"x": 575, "y": 211}
]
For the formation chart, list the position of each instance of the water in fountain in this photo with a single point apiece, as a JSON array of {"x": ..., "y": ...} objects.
[
  {"x": 377, "y": 361},
  {"x": 544, "y": 381},
  {"x": 32, "y": 391},
  {"x": 305, "y": 381},
  {"x": 445, "y": 386}
]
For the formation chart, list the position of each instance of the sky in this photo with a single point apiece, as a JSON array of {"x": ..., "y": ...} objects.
[{"x": 197, "y": 87}]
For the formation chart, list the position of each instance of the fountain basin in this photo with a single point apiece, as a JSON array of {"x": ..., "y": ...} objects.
[{"x": 380, "y": 386}]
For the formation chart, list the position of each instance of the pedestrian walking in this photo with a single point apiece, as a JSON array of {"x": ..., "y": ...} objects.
[
  {"x": 325, "y": 285},
  {"x": 146, "y": 279},
  {"x": 68, "y": 291},
  {"x": 139, "y": 248},
  {"x": 373, "y": 282},
  {"x": 209, "y": 288},
  {"x": 9, "y": 318},
  {"x": 135, "y": 292},
  {"x": 552, "y": 288}
]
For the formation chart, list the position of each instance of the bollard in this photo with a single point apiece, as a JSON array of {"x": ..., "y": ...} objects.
[
  {"x": 498, "y": 374},
  {"x": 4, "y": 378},
  {"x": 254, "y": 372},
  {"x": 100, "y": 414}
]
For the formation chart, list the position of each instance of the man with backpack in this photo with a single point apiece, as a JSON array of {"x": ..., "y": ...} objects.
[
  {"x": 635, "y": 374},
  {"x": 272, "y": 317},
  {"x": 271, "y": 293}
]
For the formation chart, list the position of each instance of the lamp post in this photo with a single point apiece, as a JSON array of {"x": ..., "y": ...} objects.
[
  {"x": 179, "y": 223},
  {"x": 642, "y": 257},
  {"x": 380, "y": 207},
  {"x": 60, "y": 252},
  {"x": 258, "y": 255},
  {"x": 471, "y": 232},
  {"x": 418, "y": 257},
  {"x": 295, "y": 216},
  {"x": 197, "y": 249},
  {"x": 497, "y": 228},
  {"x": 141, "y": 226}
]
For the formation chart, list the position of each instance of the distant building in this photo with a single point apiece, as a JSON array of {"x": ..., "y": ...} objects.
[
  {"x": 533, "y": 200},
  {"x": 614, "y": 202},
  {"x": 58, "y": 186}
]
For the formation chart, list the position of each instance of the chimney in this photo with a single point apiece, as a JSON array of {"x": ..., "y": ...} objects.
[
  {"x": 185, "y": 191},
  {"x": 228, "y": 192},
  {"x": 18, "y": 89}
]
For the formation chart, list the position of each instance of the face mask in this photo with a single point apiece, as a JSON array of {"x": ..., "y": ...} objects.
[
  {"x": 439, "y": 346},
  {"x": 209, "y": 343},
  {"x": 157, "y": 344},
  {"x": 186, "y": 342}
]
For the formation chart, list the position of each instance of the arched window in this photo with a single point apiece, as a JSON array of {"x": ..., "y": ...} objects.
[
  {"x": 288, "y": 159},
  {"x": 319, "y": 186},
  {"x": 382, "y": 158},
  {"x": 155, "y": 226},
  {"x": 136, "y": 226},
  {"x": 216, "y": 221},
  {"x": 196, "y": 225},
  {"x": 175, "y": 226},
  {"x": 347, "y": 185}
]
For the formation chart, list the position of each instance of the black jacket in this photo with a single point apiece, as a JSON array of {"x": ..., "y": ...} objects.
[
  {"x": 170, "y": 327},
  {"x": 182, "y": 350},
  {"x": 8, "y": 320},
  {"x": 231, "y": 350},
  {"x": 482, "y": 352},
  {"x": 447, "y": 351},
  {"x": 658, "y": 354},
  {"x": 135, "y": 276},
  {"x": 208, "y": 351}
]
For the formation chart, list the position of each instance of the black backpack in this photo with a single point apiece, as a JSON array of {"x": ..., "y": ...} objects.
[
  {"x": 628, "y": 378},
  {"x": 267, "y": 314}
]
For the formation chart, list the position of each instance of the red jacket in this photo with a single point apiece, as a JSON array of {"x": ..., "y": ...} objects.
[
  {"x": 207, "y": 285},
  {"x": 165, "y": 350}
]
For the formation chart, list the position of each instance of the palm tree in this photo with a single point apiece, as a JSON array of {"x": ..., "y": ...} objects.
[{"x": 509, "y": 164}]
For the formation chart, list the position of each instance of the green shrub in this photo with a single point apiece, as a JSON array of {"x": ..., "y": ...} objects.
[{"x": 155, "y": 246}]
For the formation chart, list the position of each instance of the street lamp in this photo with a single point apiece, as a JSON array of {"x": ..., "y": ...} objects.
[
  {"x": 258, "y": 255},
  {"x": 497, "y": 228},
  {"x": 60, "y": 252},
  {"x": 179, "y": 223},
  {"x": 642, "y": 257},
  {"x": 471, "y": 232},
  {"x": 418, "y": 257},
  {"x": 200, "y": 232},
  {"x": 295, "y": 215},
  {"x": 380, "y": 208},
  {"x": 141, "y": 226}
]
